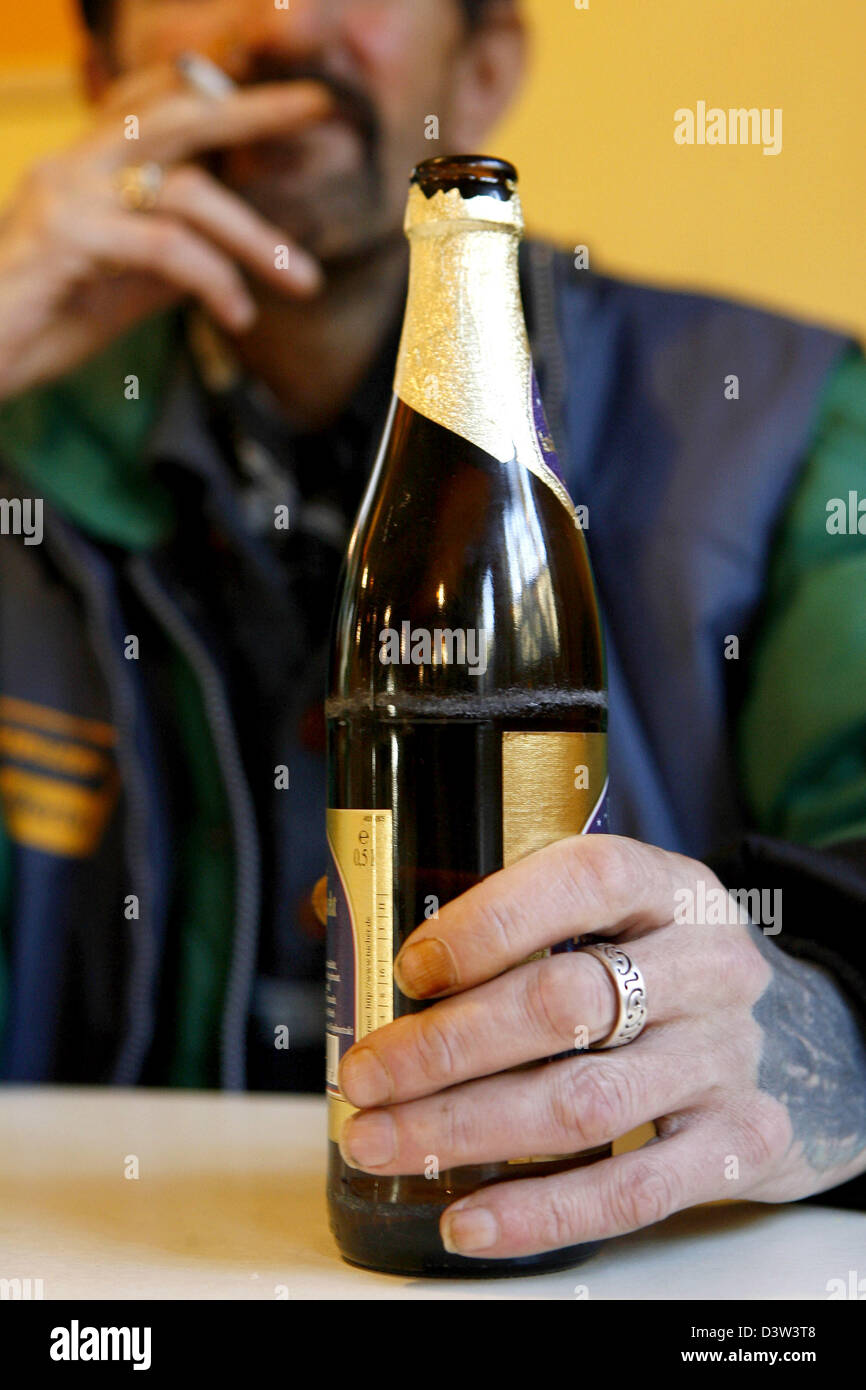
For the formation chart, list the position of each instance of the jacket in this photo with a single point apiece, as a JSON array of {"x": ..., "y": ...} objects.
[{"x": 151, "y": 875}]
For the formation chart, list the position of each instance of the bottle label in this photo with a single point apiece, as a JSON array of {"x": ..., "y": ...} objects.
[
  {"x": 359, "y": 974},
  {"x": 554, "y": 784}
]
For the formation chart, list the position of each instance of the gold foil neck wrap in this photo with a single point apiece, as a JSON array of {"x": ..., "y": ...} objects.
[
  {"x": 464, "y": 359},
  {"x": 425, "y": 214}
]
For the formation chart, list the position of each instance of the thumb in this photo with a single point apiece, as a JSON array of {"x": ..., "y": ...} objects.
[{"x": 319, "y": 899}]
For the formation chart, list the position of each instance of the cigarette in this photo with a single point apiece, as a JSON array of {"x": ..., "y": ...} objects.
[{"x": 203, "y": 76}]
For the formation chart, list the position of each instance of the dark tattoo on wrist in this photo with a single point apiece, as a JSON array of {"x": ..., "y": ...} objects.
[{"x": 813, "y": 1059}]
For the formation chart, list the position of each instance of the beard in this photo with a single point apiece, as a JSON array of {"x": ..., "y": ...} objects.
[
  {"x": 324, "y": 186},
  {"x": 315, "y": 189}
]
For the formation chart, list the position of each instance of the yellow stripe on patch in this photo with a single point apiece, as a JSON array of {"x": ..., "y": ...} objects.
[
  {"x": 57, "y": 721},
  {"x": 57, "y": 817},
  {"x": 59, "y": 756}
]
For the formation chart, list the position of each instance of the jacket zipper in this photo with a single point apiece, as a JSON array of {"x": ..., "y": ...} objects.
[
  {"x": 247, "y": 857},
  {"x": 140, "y": 991}
]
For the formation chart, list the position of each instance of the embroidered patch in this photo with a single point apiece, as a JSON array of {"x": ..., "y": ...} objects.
[{"x": 58, "y": 777}]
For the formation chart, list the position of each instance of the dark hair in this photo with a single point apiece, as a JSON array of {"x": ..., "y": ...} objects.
[
  {"x": 94, "y": 13},
  {"x": 97, "y": 13}
]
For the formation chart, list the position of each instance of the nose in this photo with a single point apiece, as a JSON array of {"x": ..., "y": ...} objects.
[{"x": 297, "y": 33}]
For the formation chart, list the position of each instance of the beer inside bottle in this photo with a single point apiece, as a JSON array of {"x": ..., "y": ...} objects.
[{"x": 466, "y": 712}]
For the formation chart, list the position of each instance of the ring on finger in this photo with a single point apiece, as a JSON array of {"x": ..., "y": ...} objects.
[
  {"x": 630, "y": 988},
  {"x": 139, "y": 185}
]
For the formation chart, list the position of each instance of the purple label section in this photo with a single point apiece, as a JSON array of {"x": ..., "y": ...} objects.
[
  {"x": 339, "y": 976},
  {"x": 600, "y": 821},
  {"x": 546, "y": 445}
]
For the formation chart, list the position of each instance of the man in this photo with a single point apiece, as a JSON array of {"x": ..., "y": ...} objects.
[{"x": 201, "y": 303}]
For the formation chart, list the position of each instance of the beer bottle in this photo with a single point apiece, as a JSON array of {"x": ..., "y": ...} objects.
[{"x": 466, "y": 711}]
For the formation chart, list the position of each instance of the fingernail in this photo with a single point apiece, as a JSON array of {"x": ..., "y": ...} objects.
[
  {"x": 242, "y": 313},
  {"x": 425, "y": 968},
  {"x": 464, "y": 1232},
  {"x": 306, "y": 272},
  {"x": 369, "y": 1141},
  {"x": 363, "y": 1079}
]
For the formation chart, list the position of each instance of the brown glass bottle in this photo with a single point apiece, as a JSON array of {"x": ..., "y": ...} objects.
[{"x": 467, "y": 677}]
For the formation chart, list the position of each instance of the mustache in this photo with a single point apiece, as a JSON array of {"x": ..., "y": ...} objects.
[{"x": 350, "y": 102}]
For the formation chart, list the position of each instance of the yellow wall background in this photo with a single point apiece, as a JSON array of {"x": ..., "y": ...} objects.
[{"x": 593, "y": 138}]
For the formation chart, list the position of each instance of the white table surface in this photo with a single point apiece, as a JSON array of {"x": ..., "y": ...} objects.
[{"x": 230, "y": 1204}]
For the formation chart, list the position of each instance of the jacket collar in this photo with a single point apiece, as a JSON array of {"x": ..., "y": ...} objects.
[{"x": 79, "y": 442}]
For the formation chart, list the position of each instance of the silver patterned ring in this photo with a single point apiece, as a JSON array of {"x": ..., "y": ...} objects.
[{"x": 631, "y": 992}]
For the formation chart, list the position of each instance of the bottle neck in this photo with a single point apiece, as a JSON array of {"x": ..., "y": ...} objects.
[{"x": 464, "y": 359}]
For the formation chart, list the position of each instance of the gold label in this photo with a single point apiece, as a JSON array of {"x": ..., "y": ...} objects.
[
  {"x": 464, "y": 359},
  {"x": 360, "y": 980},
  {"x": 553, "y": 785},
  {"x": 540, "y": 804}
]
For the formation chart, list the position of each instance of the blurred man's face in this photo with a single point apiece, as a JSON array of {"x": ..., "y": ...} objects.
[{"x": 340, "y": 186}]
